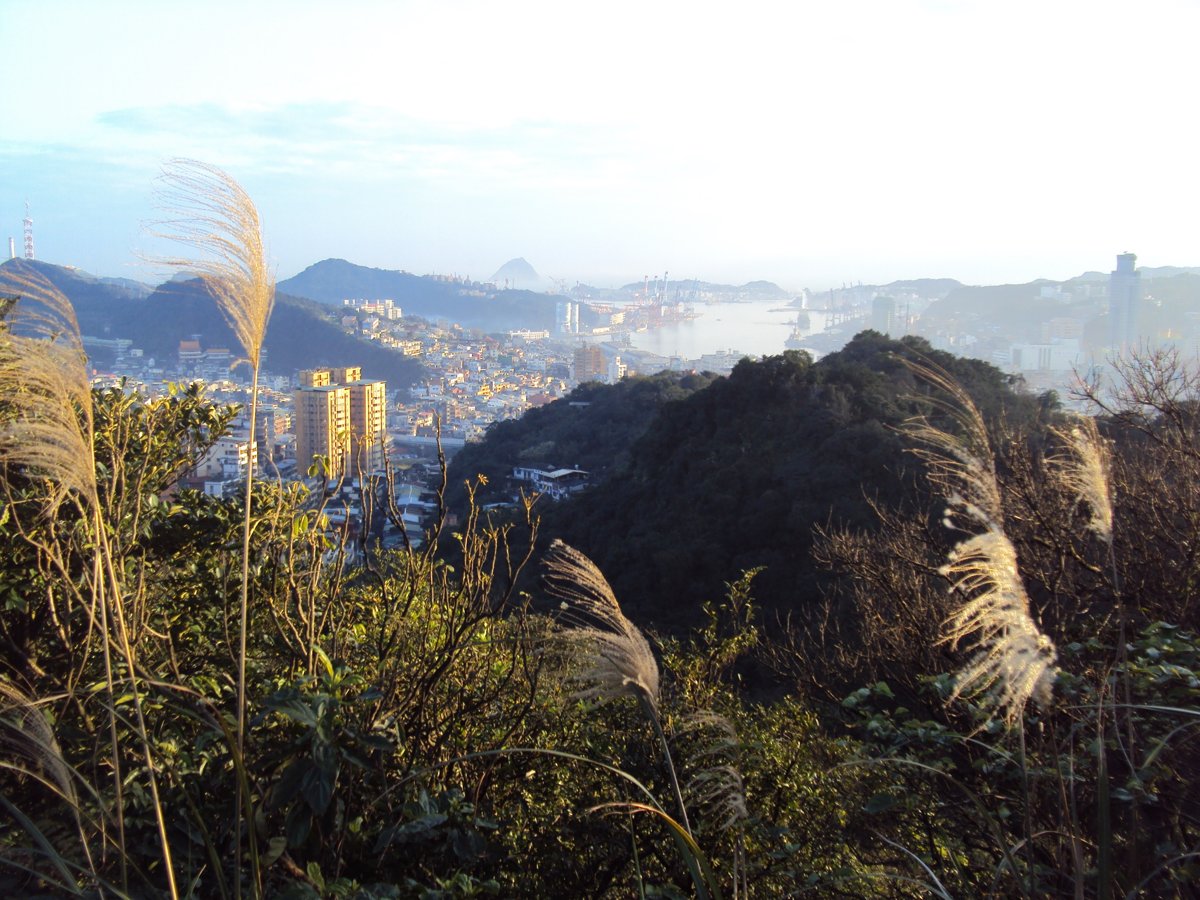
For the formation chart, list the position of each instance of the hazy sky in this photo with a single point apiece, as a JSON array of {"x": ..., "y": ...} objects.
[{"x": 808, "y": 143}]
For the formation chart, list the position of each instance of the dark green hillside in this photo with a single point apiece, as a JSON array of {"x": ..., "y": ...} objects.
[
  {"x": 333, "y": 280},
  {"x": 596, "y": 437},
  {"x": 925, "y": 287},
  {"x": 298, "y": 335},
  {"x": 736, "y": 475},
  {"x": 1016, "y": 309}
]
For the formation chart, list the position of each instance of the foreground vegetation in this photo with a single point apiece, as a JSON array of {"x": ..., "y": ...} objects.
[
  {"x": 418, "y": 731},
  {"x": 996, "y": 694}
]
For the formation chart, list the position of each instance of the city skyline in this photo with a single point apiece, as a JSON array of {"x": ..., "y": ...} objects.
[{"x": 804, "y": 145}]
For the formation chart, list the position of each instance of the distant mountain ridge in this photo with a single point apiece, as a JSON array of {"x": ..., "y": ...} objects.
[
  {"x": 690, "y": 285},
  {"x": 1147, "y": 273},
  {"x": 924, "y": 287},
  {"x": 471, "y": 304},
  {"x": 298, "y": 336}
]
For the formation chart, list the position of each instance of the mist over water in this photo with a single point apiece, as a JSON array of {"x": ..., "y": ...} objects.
[{"x": 757, "y": 328}]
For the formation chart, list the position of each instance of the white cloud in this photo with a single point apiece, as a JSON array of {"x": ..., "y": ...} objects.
[{"x": 974, "y": 133}]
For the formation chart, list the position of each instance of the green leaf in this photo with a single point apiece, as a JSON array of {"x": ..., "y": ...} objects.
[
  {"x": 275, "y": 848},
  {"x": 313, "y": 870},
  {"x": 324, "y": 660}
]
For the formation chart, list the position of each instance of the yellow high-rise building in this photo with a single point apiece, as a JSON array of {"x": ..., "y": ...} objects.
[
  {"x": 322, "y": 427},
  {"x": 315, "y": 378},
  {"x": 368, "y": 425},
  {"x": 342, "y": 417}
]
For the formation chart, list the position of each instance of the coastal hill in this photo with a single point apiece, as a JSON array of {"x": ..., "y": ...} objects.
[
  {"x": 1170, "y": 295},
  {"x": 518, "y": 274},
  {"x": 471, "y": 304},
  {"x": 298, "y": 334},
  {"x": 709, "y": 476}
]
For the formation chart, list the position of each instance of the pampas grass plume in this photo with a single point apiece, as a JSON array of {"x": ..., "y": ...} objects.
[
  {"x": 614, "y": 657},
  {"x": 1013, "y": 660},
  {"x": 209, "y": 212},
  {"x": 1012, "y": 657},
  {"x": 716, "y": 783},
  {"x": 1082, "y": 468},
  {"x": 44, "y": 379}
]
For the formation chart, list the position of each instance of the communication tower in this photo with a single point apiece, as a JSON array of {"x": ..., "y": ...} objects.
[{"x": 28, "y": 232}]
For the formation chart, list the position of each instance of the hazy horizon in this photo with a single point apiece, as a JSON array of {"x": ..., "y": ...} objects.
[
  {"x": 809, "y": 145},
  {"x": 137, "y": 272}
]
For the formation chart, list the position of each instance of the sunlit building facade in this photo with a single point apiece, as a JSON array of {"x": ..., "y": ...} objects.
[{"x": 341, "y": 418}]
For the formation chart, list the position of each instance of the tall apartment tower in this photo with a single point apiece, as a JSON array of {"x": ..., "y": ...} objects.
[
  {"x": 1124, "y": 299},
  {"x": 368, "y": 419},
  {"x": 322, "y": 412},
  {"x": 342, "y": 418},
  {"x": 590, "y": 364},
  {"x": 883, "y": 316},
  {"x": 566, "y": 315}
]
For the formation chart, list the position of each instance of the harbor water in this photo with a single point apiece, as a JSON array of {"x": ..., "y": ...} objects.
[{"x": 756, "y": 328}]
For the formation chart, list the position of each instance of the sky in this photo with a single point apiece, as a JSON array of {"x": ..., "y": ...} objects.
[{"x": 806, "y": 143}]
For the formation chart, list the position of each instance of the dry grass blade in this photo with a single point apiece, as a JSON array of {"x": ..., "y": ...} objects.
[
  {"x": 1082, "y": 468},
  {"x": 209, "y": 212},
  {"x": 613, "y": 655},
  {"x": 1013, "y": 660},
  {"x": 44, "y": 379}
]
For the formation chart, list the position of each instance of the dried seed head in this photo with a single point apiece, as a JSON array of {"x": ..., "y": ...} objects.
[
  {"x": 1083, "y": 470},
  {"x": 716, "y": 785},
  {"x": 208, "y": 212},
  {"x": 613, "y": 656},
  {"x": 1013, "y": 661},
  {"x": 43, "y": 376}
]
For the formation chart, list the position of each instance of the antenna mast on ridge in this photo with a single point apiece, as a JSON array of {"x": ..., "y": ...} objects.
[{"x": 28, "y": 232}]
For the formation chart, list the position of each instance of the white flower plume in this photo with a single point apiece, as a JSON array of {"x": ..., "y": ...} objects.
[
  {"x": 1013, "y": 660},
  {"x": 613, "y": 655},
  {"x": 1083, "y": 469}
]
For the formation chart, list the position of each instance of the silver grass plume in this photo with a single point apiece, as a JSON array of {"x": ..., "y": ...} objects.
[
  {"x": 613, "y": 656},
  {"x": 47, "y": 429},
  {"x": 961, "y": 465},
  {"x": 716, "y": 784},
  {"x": 209, "y": 212},
  {"x": 1012, "y": 657},
  {"x": 26, "y": 730},
  {"x": 1082, "y": 468},
  {"x": 1013, "y": 661}
]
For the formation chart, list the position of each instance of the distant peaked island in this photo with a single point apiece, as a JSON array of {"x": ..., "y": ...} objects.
[{"x": 517, "y": 273}]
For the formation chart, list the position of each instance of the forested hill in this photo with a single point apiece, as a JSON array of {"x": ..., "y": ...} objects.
[
  {"x": 298, "y": 335},
  {"x": 594, "y": 428},
  {"x": 473, "y": 306},
  {"x": 736, "y": 475}
]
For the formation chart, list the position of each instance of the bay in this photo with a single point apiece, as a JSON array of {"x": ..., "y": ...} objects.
[{"x": 756, "y": 328}]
